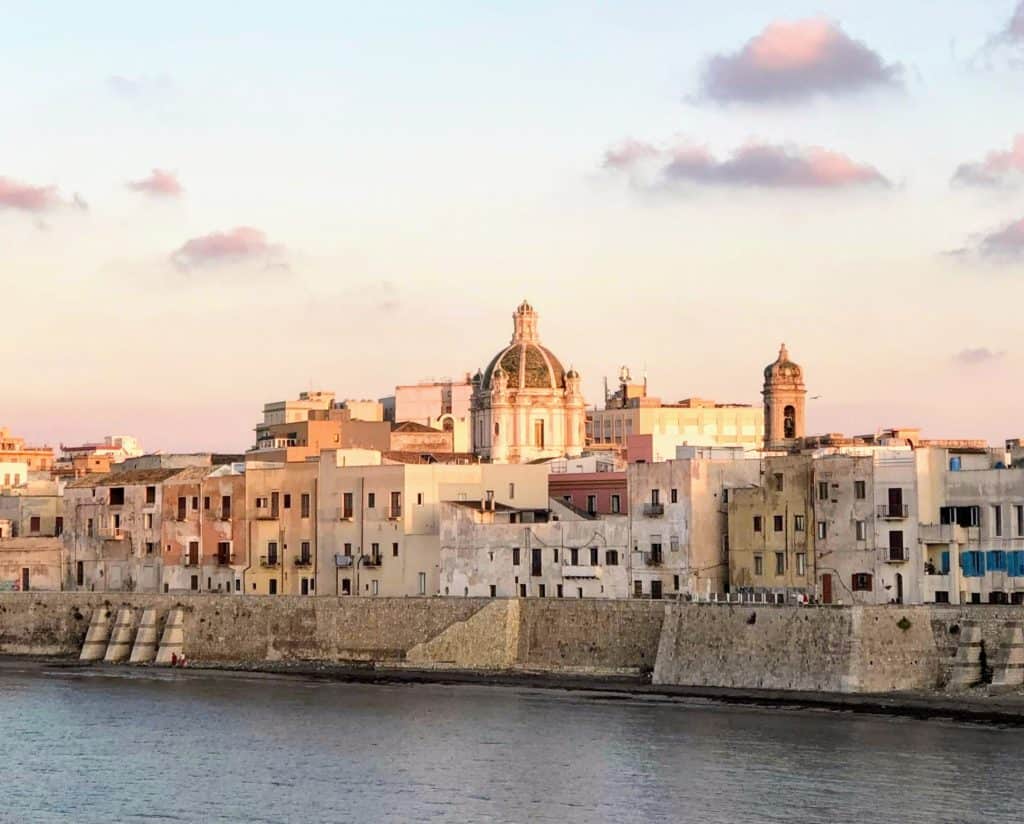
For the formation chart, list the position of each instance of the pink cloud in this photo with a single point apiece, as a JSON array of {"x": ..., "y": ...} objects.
[
  {"x": 160, "y": 183},
  {"x": 762, "y": 165},
  {"x": 627, "y": 153},
  {"x": 1006, "y": 244},
  {"x": 239, "y": 245},
  {"x": 14, "y": 195},
  {"x": 795, "y": 60},
  {"x": 998, "y": 167},
  {"x": 1015, "y": 28}
]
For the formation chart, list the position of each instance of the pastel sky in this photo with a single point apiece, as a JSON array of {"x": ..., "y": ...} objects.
[{"x": 204, "y": 208}]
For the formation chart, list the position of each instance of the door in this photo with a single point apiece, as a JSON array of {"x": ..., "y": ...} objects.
[
  {"x": 535, "y": 563},
  {"x": 656, "y": 589},
  {"x": 273, "y": 586},
  {"x": 305, "y": 586},
  {"x": 24, "y": 579},
  {"x": 826, "y": 588},
  {"x": 895, "y": 502},
  {"x": 899, "y": 588}
]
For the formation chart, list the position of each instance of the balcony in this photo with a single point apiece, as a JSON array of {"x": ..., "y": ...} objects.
[
  {"x": 654, "y": 510},
  {"x": 266, "y": 513},
  {"x": 225, "y": 559},
  {"x": 344, "y": 513},
  {"x": 371, "y": 560},
  {"x": 948, "y": 533},
  {"x": 270, "y": 561},
  {"x": 112, "y": 533},
  {"x": 342, "y": 561},
  {"x": 190, "y": 562},
  {"x": 653, "y": 558},
  {"x": 582, "y": 571},
  {"x": 395, "y": 514},
  {"x": 893, "y": 512},
  {"x": 304, "y": 561},
  {"x": 896, "y": 555}
]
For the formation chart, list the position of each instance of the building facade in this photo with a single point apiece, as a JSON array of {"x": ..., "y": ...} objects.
[{"x": 525, "y": 405}]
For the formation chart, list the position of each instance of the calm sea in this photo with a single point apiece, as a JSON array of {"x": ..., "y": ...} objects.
[{"x": 88, "y": 746}]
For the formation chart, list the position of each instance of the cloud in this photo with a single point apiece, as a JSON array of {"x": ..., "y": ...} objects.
[
  {"x": 35, "y": 199},
  {"x": 160, "y": 183},
  {"x": 791, "y": 61},
  {"x": 760, "y": 165},
  {"x": 1005, "y": 245},
  {"x": 242, "y": 244},
  {"x": 1014, "y": 31},
  {"x": 135, "y": 88},
  {"x": 978, "y": 356},
  {"x": 997, "y": 169}
]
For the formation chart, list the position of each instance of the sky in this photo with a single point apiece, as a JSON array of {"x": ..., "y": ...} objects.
[{"x": 203, "y": 209}]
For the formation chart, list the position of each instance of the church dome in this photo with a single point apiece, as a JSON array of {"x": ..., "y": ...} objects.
[
  {"x": 526, "y": 364},
  {"x": 783, "y": 369}
]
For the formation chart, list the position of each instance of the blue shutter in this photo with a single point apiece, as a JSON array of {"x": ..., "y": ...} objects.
[{"x": 945, "y": 563}]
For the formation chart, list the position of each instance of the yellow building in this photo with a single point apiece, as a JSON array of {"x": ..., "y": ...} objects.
[{"x": 771, "y": 531}]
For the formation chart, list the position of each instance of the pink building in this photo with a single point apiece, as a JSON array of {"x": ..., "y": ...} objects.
[{"x": 599, "y": 493}]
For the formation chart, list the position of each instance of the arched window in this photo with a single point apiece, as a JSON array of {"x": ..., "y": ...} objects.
[
  {"x": 449, "y": 425},
  {"x": 789, "y": 422}
]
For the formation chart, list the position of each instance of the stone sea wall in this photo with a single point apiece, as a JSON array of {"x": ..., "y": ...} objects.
[{"x": 820, "y": 649}]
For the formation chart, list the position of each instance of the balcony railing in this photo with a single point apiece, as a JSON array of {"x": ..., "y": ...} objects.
[
  {"x": 893, "y": 512},
  {"x": 113, "y": 533},
  {"x": 224, "y": 559},
  {"x": 341, "y": 561},
  {"x": 896, "y": 555},
  {"x": 304, "y": 561},
  {"x": 589, "y": 571},
  {"x": 654, "y": 510},
  {"x": 266, "y": 513},
  {"x": 653, "y": 558},
  {"x": 270, "y": 561},
  {"x": 344, "y": 513},
  {"x": 371, "y": 560},
  {"x": 395, "y": 513}
]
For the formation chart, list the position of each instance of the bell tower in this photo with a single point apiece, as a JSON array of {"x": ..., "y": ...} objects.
[{"x": 785, "y": 397}]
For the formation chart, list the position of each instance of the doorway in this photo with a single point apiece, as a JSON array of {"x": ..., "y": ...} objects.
[
  {"x": 305, "y": 586},
  {"x": 899, "y": 588},
  {"x": 24, "y": 579},
  {"x": 826, "y": 588},
  {"x": 656, "y": 589},
  {"x": 346, "y": 586},
  {"x": 272, "y": 589}
]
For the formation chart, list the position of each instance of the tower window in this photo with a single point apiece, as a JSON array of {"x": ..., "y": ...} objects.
[{"x": 789, "y": 422}]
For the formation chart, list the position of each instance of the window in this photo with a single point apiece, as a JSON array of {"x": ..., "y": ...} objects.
[
  {"x": 759, "y": 565},
  {"x": 780, "y": 563},
  {"x": 822, "y": 490},
  {"x": 522, "y": 590},
  {"x": 617, "y": 506},
  {"x": 860, "y": 490},
  {"x": 193, "y": 553},
  {"x": 591, "y": 504},
  {"x": 182, "y": 505},
  {"x": 862, "y": 530},
  {"x": 725, "y": 499},
  {"x": 515, "y": 556},
  {"x": 655, "y": 496},
  {"x": 371, "y": 500},
  {"x": 541, "y": 591},
  {"x": 117, "y": 496},
  {"x": 611, "y": 557},
  {"x": 287, "y": 502},
  {"x": 574, "y": 556},
  {"x": 673, "y": 543},
  {"x": 33, "y": 523},
  {"x": 225, "y": 507},
  {"x": 777, "y": 523},
  {"x": 538, "y": 433},
  {"x": 536, "y": 563},
  {"x": 375, "y": 553},
  {"x": 150, "y": 494},
  {"x": 511, "y": 492},
  {"x": 798, "y": 523},
  {"x": 346, "y": 505},
  {"x": 419, "y": 499},
  {"x": 58, "y": 526},
  {"x": 997, "y": 520},
  {"x": 396, "y": 504},
  {"x": 394, "y": 550},
  {"x": 272, "y": 553},
  {"x": 195, "y": 503},
  {"x": 375, "y": 587},
  {"x": 223, "y": 552},
  {"x": 779, "y": 482},
  {"x": 861, "y": 582},
  {"x": 305, "y": 556},
  {"x": 789, "y": 422},
  {"x": 757, "y": 523},
  {"x": 593, "y": 556},
  {"x": 558, "y": 590},
  {"x": 206, "y": 502},
  {"x": 554, "y": 554},
  {"x": 638, "y": 588},
  {"x": 801, "y": 563},
  {"x": 422, "y": 582},
  {"x": 673, "y": 496},
  {"x": 304, "y": 505},
  {"x": 88, "y": 527},
  {"x": 348, "y": 550},
  {"x": 822, "y": 530}
]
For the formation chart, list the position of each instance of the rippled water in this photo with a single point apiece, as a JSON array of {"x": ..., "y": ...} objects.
[{"x": 88, "y": 746}]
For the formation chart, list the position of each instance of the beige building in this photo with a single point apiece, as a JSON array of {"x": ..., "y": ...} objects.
[
  {"x": 525, "y": 406},
  {"x": 633, "y": 420},
  {"x": 295, "y": 430},
  {"x": 443, "y": 405},
  {"x": 282, "y": 505},
  {"x": 771, "y": 531},
  {"x": 556, "y": 552},
  {"x": 678, "y": 520},
  {"x": 379, "y": 526},
  {"x": 13, "y": 450}
]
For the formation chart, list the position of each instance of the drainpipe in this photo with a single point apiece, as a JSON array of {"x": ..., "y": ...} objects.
[{"x": 315, "y": 512}]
